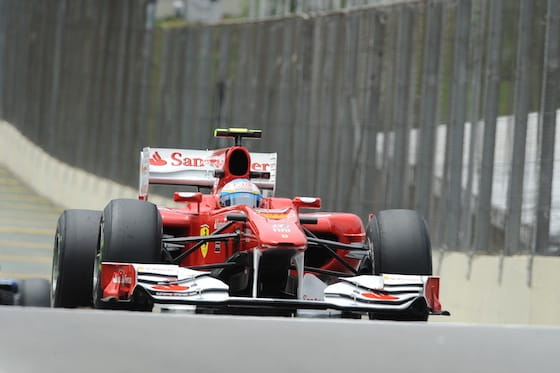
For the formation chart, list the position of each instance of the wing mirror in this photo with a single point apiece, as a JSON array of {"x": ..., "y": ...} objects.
[
  {"x": 307, "y": 202},
  {"x": 187, "y": 197}
]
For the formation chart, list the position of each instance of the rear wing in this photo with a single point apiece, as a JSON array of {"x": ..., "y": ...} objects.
[{"x": 197, "y": 168}]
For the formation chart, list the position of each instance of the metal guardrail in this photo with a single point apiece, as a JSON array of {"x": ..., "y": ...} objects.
[{"x": 338, "y": 96}]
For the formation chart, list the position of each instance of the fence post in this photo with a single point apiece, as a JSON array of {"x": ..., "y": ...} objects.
[
  {"x": 116, "y": 138},
  {"x": 547, "y": 125},
  {"x": 491, "y": 95},
  {"x": 521, "y": 111},
  {"x": 401, "y": 103},
  {"x": 3, "y": 31},
  {"x": 457, "y": 123},
  {"x": 145, "y": 85},
  {"x": 53, "y": 107},
  {"x": 302, "y": 63},
  {"x": 347, "y": 127},
  {"x": 428, "y": 109},
  {"x": 372, "y": 103},
  {"x": 480, "y": 11}
]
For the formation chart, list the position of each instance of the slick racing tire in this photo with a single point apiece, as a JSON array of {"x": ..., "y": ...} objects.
[
  {"x": 75, "y": 244},
  {"x": 399, "y": 243},
  {"x": 34, "y": 292},
  {"x": 131, "y": 232}
]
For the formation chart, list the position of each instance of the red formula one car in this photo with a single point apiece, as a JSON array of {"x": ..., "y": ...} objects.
[{"x": 239, "y": 249}]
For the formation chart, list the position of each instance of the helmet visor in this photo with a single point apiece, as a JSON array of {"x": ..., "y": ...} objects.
[{"x": 241, "y": 198}]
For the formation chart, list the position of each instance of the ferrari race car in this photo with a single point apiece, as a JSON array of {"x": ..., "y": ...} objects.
[{"x": 239, "y": 249}]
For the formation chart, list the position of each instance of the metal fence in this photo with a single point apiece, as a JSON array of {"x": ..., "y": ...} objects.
[{"x": 449, "y": 107}]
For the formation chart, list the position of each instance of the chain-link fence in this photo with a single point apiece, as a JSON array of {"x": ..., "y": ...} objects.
[{"x": 449, "y": 107}]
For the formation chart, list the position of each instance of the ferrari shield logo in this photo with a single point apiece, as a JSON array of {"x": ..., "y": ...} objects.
[{"x": 204, "y": 231}]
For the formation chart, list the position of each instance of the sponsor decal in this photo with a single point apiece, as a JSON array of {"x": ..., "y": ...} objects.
[
  {"x": 255, "y": 166},
  {"x": 171, "y": 294},
  {"x": 164, "y": 270},
  {"x": 379, "y": 296},
  {"x": 241, "y": 185},
  {"x": 269, "y": 215},
  {"x": 281, "y": 228},
  {"x": 156, "y": 160},
  {"x": 204, "y": 231},
  {"x": 402, "y": 279},
  {"x": 306, "y": 297},
  {"x": 177, "y": 159},
  {"x": 121, "y": 278},
  {"x": 170, "y": 287}
]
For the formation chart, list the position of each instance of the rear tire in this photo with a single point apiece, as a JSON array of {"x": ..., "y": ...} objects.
[
  {"x": 34, "y": 292},
  {"x": 131, "y": 232},
  {"x": 75, "y": 243}
]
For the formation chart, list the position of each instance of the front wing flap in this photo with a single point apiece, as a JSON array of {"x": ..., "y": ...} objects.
[{"x": 171, "y": 284}]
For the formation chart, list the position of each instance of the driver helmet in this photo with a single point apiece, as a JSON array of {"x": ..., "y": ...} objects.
[{"x": 240, "y": 191}]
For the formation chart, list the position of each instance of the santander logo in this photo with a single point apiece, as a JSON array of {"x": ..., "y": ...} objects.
[
  {"x": 156, "y": 160},
  {"x": 197, "y": 159}
]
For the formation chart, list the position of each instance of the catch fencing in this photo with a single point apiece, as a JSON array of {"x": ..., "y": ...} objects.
[{"x": 448, "y": 107}]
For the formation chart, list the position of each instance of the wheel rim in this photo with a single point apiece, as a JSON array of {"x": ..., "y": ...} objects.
[
  {"x": 97, "y": 269},
  {"x": 55, "y": 273},
  {"x": 96, "y": 278}
]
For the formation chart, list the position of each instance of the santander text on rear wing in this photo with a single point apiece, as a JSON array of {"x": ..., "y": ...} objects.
[{"x": 196, "y": 168}]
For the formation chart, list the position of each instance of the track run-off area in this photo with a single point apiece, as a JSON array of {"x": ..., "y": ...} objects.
[{"x": 27, "y": 226}]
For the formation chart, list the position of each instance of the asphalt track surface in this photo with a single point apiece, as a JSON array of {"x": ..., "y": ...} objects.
[
  {"x": 46, "y": 340},
  {"x": 27, "y": 226},
  {"x": 49, "y": 340}
]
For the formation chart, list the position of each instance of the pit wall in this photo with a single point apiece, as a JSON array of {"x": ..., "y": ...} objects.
[{"x": 479, "y": 289}]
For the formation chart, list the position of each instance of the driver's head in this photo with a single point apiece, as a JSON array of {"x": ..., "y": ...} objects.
[{"x": 240, "y": 191}]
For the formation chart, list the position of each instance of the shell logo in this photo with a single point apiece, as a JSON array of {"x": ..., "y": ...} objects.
[
  {"x": 204, "y": 231},
  {"x": 273, "y": 215}
]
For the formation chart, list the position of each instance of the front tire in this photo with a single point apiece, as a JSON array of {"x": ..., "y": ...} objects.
[
  {"x": 400, "y": 244},
  {"x": 131, "y": 232},
  {"x": 75, "y": 243}
]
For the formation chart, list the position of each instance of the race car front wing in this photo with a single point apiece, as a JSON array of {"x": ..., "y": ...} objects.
[{"x": 168, "y": 284}]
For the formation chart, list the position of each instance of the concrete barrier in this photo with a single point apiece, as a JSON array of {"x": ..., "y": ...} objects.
[
  {"x": 64, "y": 185},
  {"x": 474, "y": 289},
  {"x": 524, "y": 291}
]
